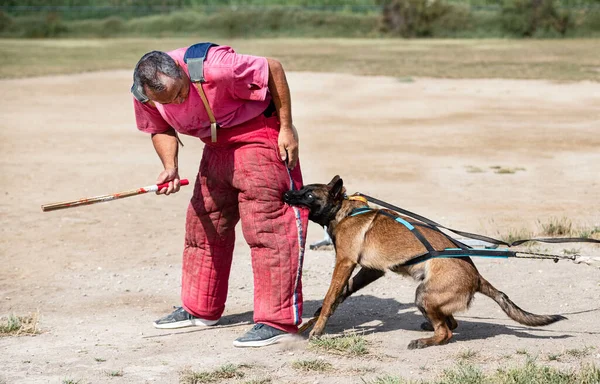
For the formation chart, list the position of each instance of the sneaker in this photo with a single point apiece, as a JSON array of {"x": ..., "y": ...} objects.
[
  {"x": 180, "y": 318},
  {"x": 261, "y": 335}
]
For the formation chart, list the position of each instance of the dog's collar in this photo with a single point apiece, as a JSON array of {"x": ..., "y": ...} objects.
[{"x": 356, "y": 198}]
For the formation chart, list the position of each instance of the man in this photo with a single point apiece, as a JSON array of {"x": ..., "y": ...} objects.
[{"x": 243, "y": 174}]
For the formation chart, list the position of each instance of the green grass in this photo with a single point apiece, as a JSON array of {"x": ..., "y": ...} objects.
[
  {"x": 313, "y": 365},
  {"x": 515, "y": 234},
  {"x": 14, "y": 325},
  {"x": 467, "y": 354},
  {"x": 579, "y": 352},
  {"x": 118, "y": 373},
  {"x": 562, "y": 60},
  {"x": 349, "y": 345},
  {"x": 227, "y": 371},
  {"x": 530, "y": 373},
  {"x": 557, "y": 227}
]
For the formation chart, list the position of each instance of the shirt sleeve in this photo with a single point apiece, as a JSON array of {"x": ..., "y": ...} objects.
[
  {"x": 148, "y": 119},
  {"x": 250, "y": 77}
]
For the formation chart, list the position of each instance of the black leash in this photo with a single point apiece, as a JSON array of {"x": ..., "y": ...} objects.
[{"x": 473, "y": 235}]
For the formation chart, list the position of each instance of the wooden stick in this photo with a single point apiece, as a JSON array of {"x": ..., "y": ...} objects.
[{"x": 103, "y": 198}]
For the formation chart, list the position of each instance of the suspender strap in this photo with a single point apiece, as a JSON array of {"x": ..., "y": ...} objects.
[
  {"x": 194, "y": 58},
  {"x": 211, "y": 117}
]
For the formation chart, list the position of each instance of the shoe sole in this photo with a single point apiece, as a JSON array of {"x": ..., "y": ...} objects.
[
  {"x": 262, "y": 343},
  {"x": 186, "y": 323}
]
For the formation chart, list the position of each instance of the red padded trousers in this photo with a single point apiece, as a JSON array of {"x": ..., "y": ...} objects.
[{"x": 242, "y": 176}]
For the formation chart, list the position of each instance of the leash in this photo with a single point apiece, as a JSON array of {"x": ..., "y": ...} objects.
[{"x": 473, "y": 235}]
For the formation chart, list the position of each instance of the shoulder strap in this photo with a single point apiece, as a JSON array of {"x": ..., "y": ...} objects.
[{"x": 194, "y": 58}]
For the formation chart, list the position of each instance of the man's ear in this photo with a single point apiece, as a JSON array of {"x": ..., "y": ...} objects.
[
  {"x": 333, "y": 181},
  {"x": 337, "y": 188}
]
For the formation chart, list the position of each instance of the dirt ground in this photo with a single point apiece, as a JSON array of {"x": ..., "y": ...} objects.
[{"x": 99, "y": 275}]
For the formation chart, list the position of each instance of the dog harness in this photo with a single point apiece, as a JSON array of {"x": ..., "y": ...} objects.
[{"x": 462, "y": 250}]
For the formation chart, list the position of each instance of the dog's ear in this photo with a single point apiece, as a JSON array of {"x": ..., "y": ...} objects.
[
  {"x": 333, "y": 181},
  {"x": 337, "y": 188}
]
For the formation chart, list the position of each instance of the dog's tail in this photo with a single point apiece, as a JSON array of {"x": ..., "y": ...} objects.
[{"x": 512, "y": 310}]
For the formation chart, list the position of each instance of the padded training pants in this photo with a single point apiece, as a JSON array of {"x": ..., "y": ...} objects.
[{"x": 242, "y": 176}]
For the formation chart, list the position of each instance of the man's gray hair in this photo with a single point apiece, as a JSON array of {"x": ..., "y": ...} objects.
[{"x": 150, "y": 65}]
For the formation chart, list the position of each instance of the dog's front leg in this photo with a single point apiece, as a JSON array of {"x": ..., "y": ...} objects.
[{"x": 341, "y": 273}]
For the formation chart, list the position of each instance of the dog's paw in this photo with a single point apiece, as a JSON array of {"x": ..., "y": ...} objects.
[
  {"x": 417, "y": 344},
  {"x": 315, "y": 334},
  {"x": 426, "y": 326}
]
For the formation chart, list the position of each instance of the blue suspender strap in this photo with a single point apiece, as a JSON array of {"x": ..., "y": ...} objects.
[{"x": 194, "y": 58}]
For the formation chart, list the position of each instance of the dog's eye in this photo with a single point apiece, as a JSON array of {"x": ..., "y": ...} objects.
[{"x": 310, "y": 196}]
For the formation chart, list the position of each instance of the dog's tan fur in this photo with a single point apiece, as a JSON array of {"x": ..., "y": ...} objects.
[{"x": 378, "y": 243}]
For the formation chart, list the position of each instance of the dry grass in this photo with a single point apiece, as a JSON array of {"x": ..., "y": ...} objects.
[
  {"x": 14, "y": 325},
  {"x": 313, "y": 365},
  {"x": 563, "y": 60},
  {"x": 227, "y": 371},
  {"x": 515, "y": 234},
  {"x": 348, "y": 345},
  {"x": 530, "y": 373}
]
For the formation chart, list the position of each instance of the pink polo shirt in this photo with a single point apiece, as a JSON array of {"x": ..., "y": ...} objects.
[{"x": 236, "y": 88}]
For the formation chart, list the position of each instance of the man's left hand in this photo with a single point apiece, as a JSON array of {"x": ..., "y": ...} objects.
[{"x": 288, "y": 146}]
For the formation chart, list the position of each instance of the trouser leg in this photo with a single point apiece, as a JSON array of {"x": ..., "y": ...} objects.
[
  {"x": 275, "y": 232},
  {"x": 210, "y": 237}
]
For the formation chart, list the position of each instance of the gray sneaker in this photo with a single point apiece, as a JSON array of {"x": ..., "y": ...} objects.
[
  {"x": 180, "y": 318},
  {"x": 261, "y": 335}
]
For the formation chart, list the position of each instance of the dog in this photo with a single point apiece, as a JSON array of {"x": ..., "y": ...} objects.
[{"x": 377, "y": 243}]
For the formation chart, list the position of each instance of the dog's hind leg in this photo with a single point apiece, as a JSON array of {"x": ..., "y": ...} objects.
[
  {"x": 450, "y": 322},
  {"x": 438, "y": 320},
  {"x": 341, "y": 274}
]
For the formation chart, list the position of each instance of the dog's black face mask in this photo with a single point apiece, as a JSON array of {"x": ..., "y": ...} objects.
[{"x": 322, "y": 200}]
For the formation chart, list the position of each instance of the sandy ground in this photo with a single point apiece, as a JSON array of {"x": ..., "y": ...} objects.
[{"x": 99, "y": 275}]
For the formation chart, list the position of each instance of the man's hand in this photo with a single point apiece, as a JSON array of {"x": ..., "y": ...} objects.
[
  {"x": 288, "y": 146},
  {"x": 172, "y": 176}
]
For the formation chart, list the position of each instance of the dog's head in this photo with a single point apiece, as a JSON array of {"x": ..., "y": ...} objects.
[{"x": 322, "y": 200}]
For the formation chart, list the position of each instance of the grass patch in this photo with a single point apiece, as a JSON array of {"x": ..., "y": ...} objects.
[
  {"x": 570, "y": 60},
  {"x": 515, "y": 234},
  {"x": 259, "y": 381},
  {"x": 530, "y": 373},
  {"x": 312, "y": 365},
  {"x": 572, "y": 252},
  {"x": 71, "y": 381},
  {"x": 99, "y": 359},
  {"x": 227, "y": 371},
  {"x": 579, "y": 353},
  {"x": 589, "y": 233},
  {"x": 348, "y": 345},
  {"x": 14, "y": 325},
  {"x": 506, "y": 170},
  {"x": 118, "y": 373},
  {"x": 467, "y": 354},
  {"x": 557, "y": 227},
  {"x": 473, "y": 169},
  {"x": 554, "y": 356}
]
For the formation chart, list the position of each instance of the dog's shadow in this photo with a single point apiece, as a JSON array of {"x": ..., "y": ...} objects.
[{"x": 367, "y": 313}]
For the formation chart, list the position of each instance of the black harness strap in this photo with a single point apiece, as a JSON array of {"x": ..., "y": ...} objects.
[{"x": 472, "y": 235}]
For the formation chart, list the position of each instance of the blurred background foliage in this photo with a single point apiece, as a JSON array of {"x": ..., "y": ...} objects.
[{"x": 300, "y": 18}]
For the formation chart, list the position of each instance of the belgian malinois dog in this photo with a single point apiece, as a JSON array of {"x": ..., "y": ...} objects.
[{"x": 377, "y": 243}]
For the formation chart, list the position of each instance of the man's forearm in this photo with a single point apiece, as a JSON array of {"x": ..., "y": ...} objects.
[
  {"x": 280, "y": 92},
  {"x": 167, "y": 147}
]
